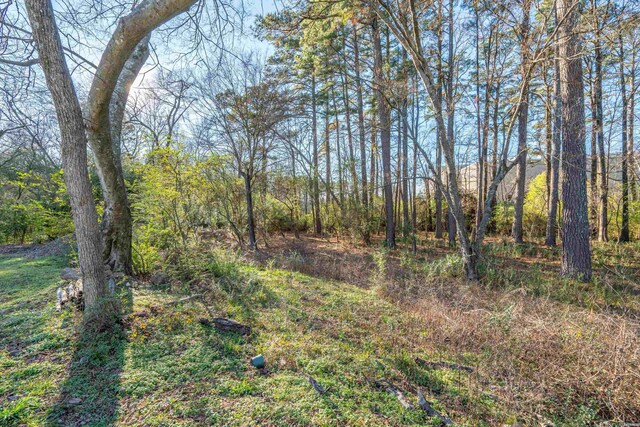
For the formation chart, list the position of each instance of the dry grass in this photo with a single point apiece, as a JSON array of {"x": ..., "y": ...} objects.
[
  {"x": 540, "y": 345},
  {"x": 536, "y": 355}
]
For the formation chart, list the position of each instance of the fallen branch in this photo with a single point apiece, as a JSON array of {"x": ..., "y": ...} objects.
[
  {"x": 226, "y": 325},
  {"x": 426, "y": 406},
  {"x": 397, "y": 392},
  {"x": 185, "y": 299},
  {"x": 316, "y": 385},
  {"x": 442, "y": 364}
]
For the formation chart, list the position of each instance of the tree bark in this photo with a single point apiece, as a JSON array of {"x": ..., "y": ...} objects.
[
  {"x": 440, "y": 77},
  {"x": 116, "y": 225},
  {"x": 73, "y": 146},
  {"x": 406, "y": 225},
  {"x": 593, "y": 173},
  {"x": 576, "y": 249},
  {"x": 450, "y": 109},
  {"x": 327, "y": 153},
  {"x": 632, "y": 107}
]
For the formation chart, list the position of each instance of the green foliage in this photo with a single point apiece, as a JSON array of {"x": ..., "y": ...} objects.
[
  {"x": 33, "y": 208},
  {"x": 535, "y": 207},
  {"x": 173, "y": 196},
  {"x": 503, "y": 214}
]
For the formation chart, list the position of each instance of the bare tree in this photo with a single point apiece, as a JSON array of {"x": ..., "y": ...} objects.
[
  {"x": 403, "y": 19},
  {"x": 246, "y": 115}
]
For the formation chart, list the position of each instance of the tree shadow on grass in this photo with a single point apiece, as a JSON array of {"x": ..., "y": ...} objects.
[{"x": 89, "y": 395}]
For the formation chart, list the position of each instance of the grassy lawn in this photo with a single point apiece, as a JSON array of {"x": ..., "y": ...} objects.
[{"x": 167, "y": 369}]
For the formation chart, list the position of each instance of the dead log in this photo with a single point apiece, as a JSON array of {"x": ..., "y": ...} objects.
[
  {"x": 397, "y": 392},
  {"x": 316, "y": 385},
  {"x": 185, "y": 299},
  {"x": 426, "y": 406},
  {"x": 71, "y": 293},
  {"x": 442, "y": 364},
  {"x": 226, "y": 325}
]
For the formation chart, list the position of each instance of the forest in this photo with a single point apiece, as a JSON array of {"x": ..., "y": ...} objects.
[{"x": 319, "y": 213}]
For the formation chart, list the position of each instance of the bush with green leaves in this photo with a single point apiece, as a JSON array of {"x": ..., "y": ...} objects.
[{"x": 33, "y": 207}]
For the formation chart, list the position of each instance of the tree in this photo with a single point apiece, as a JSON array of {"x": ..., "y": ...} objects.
[
  {"x": 384, "y": 123},
  {"x": 523, "y": 121},
  {"x": 624, "y": 228},
  {"x": 245, "y": 116},
  {"x": 576, "y": 249},
  {"x": 556, "y": 146},
  {"x": 128, "y": 35},
  {"x": 403, "y": 20},
  {"x": 73, "y": 152}
]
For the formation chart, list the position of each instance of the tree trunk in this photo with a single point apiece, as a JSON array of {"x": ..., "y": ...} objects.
[
  {"x": 450, "y": 99},
  {"x": 480, "y": 141},
  {"x": 576, "y": 249},
  {"x": 440, "y": 76},
  {"x": 385, "y": 135},
  {"x": 347, "y": 110},
  {"x": 116, "y": 222},
  {"x": 250, "y": 218},
  {"x": 129, "y": 32},
  {"x": 593, "y": 175},
  {"x": 316, "y": 178},
  {"x": 327, "y": 153},
  {"x": 603, "y": 221},
  {"x": 494, "y": 145},
  {"x": 73, "y": 147},
  {"x": 405, "y": 149},
  {"x": 361, "y": 135},
  {"x": 624, "y": 228},
  {"x": 552, "y": 219},
  {"x": 523, "y": 119},
  {"x": 632, "y": 107},
  {"x": 338, "y": 150}
]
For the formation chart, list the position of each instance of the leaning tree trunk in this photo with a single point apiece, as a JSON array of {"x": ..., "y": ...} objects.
[
  {"x": 116, "y": 219},
  {"x": 576, "y": 249},
  {"x": 73, "y": 146},
  {"x": 130, "y": 31},
  {"x": 385, "y": 136}
]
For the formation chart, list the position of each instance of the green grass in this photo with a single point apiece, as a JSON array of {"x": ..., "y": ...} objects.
[
  {"x": 165, "y": 368},
  {"x": 34, "y": 338}
]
